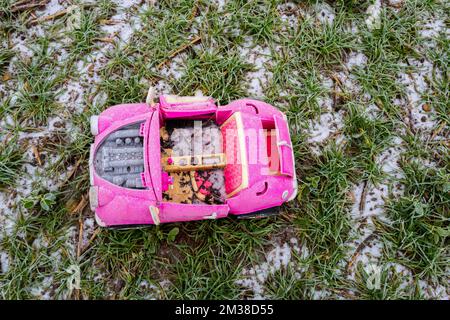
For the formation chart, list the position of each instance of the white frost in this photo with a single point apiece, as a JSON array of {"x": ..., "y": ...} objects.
[
  {"x": 373, "y": 20},
  {"x": 327, "y": 124},
  {"x": 356, "y": 59},
  {"x": 260, "y": 58},
  {"x": 4, "y": 262},
  {"x": 416, "y": 85},
  {"x": 279, "y": 258},
  {"x": 325, "y": 13},
  {"x": 42, "y": 290},
  {"x": 432, "y": 29}
]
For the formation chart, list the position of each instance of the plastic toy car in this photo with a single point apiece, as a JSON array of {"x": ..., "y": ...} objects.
[{"x": 186, "y": 158}]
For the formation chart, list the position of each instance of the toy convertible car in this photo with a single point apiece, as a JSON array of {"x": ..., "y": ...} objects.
[{"x": 185, "y": 158}]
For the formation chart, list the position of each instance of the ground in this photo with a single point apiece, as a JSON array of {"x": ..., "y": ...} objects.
[{"x": 364, "y": 85}]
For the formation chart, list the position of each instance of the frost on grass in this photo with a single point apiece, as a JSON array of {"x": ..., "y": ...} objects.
[
  {"x": 280, "y": 258},
  {"x": 290, "y": 13},
  {"x": 432, "y": 28},
  {"x": 326, "y": 125},
  {"x": 368, "y": 203},
  {"x": 364, "y": 246},
  {"x": 124, "y": 23},
  {"x": 4, "y": 262},
  {"x": 174, "y": 69},
  {"x": 36, "y": 173},
  {"x": 88, "y": 231},
  {"x": 152, "y": 291},
  {"x": 365, "y": 249},
  {"x": 346, "y": 81},
  {"x": 220, "y": 4},
  {"x": 78, "y": 90},
  {"x": 72, "y": 95},
  {"x": 118, "y": 31},
  {"x": 373, "y": 20},
  {"x": 8, "y": 214},
  {"x": 52, "y": 7},
  {"x": 356, "y": 59},
  {"x": 42, "y": 290},
  {"x": 260, "y": 59},
  {"x": 35, "y": 178},
  {"x": 324, "y": 13},
  {"x": 431, "y": 24},
  {"x": 416, "y": 84},
  {"x": 330, "y": 122},
  {"x": 434, "y": 291}
]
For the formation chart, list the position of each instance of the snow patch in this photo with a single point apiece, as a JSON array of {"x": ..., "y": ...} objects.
[
  {"x": 4, "y": 262},
  {"x": 373, "y": 20},
  {"x": 127, "y": 3},
  {"x": 388, "y": 159},
  {"x": 124, "y": 23},
  {"x": 416, "y": 85},
  {"x": 42, "y": 291},
  {"x": 72, "y": 96},
  {"x": 356, "y": 59},
  {"x": 324, "y": 13},
  {"x": 175, "y": 69},
  {"x": 8, "y": 214},
  {"x": 289, "y": 14},
  {"x": 88, "y": 231},
  {"x": 260, "y": 58},
  {"x": 364, "y": 246},
  {"x": 253, "y": 279},
  {"x": 432, "y": 29},
  {"x": 220, "y": 4},
  {"x": 373, "y": 202},
  {"x": 51, "y": 8},
  {"x": 324, "y": 127},
  {"x": 434, "y": 291},
  {"x": 151, "y": 291}
]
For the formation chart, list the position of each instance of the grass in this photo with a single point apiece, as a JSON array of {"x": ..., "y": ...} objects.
[
  {"x": 11, "y": 161},
  {"x": 83, "y": 35},
  {"x": 367, "y": 138},
  {"x": 420, "y": 220},
  {"x": 38, "y": 80},
  {"x": 5, "y": 56},
  {"x": 182, "y": 47},
  {"x": 217, "y": 74}
]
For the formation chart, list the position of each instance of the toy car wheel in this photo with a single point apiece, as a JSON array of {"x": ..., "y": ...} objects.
[{"x": 269, "y": 212}]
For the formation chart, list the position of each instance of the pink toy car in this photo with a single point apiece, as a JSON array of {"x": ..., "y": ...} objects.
[{"x": 185, "y": 158}]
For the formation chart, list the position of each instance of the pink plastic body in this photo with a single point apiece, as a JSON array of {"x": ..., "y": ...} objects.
[{"x": 120, "y": 206}]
